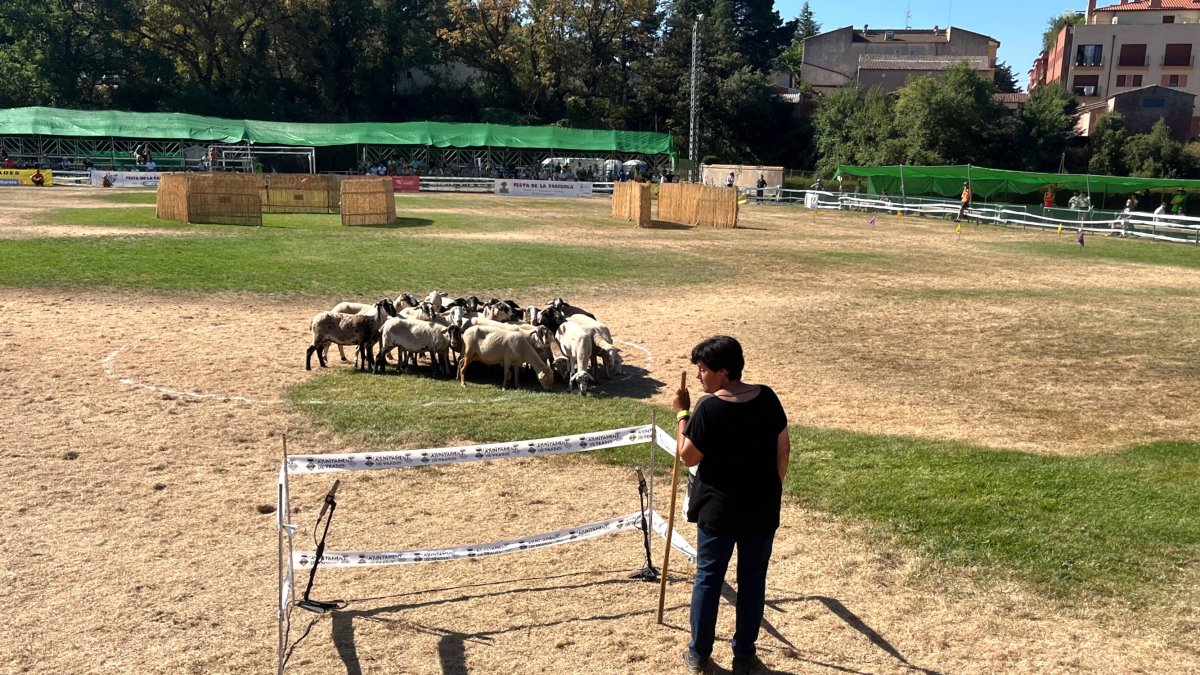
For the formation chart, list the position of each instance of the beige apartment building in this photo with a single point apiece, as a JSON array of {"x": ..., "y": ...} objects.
[
  {"x": 1124, "y": 47},
  {"x": 887, "y": 58}
]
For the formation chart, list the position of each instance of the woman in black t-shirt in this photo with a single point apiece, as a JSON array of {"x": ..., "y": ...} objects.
[{"x": 738, "y": 437}]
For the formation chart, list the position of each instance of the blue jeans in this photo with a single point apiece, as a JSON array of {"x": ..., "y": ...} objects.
[{"x": 713, "y": 554}]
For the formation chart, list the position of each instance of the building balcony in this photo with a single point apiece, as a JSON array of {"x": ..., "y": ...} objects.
[
  {"x": 1086, "y": 91},
  {"x": 1178, "y": 62},
  {"x": 1134, "y": 63}
]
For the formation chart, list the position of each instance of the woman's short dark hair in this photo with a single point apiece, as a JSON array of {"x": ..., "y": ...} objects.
[{"x": 720, "y": 352}]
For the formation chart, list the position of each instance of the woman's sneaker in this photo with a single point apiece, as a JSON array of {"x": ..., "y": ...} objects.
[
  {"x": 745, "y": 665},
  {"x": 695, "y": 662}
]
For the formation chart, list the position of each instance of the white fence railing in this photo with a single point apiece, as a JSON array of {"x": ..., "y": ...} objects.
[{"x": 1171, "y": 228}]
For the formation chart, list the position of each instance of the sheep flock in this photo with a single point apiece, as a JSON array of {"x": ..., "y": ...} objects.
[{"x": 559, "y": 343}]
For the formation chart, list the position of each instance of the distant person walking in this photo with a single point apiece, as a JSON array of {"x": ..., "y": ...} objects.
[{"x": 966, "y": 202}]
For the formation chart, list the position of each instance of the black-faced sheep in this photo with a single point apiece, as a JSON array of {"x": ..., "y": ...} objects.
[{"x": 360, "y": 330}]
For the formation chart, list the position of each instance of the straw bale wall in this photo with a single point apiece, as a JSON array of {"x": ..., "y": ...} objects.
[
  {"x": 171, "y": 198},
  {"x": 226, "y": 199},
  {"x": 300, "y": 193},
  {"x": 368, "y": 201},
  {"x": 692, "y": 204},
  {"x": 631, "y": 202}
]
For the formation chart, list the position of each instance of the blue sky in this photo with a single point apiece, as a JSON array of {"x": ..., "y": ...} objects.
[{"x": 1017, "y": 24}]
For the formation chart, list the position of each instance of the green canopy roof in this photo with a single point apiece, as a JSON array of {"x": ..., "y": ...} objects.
[
  {"x": 947, "y": 181},
  {"x": 106, "y": 123}
]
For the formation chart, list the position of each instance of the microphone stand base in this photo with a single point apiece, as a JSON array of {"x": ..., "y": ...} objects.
[
  {"x": 647, "y": 573},
  {"x": 318, "y": 607}
]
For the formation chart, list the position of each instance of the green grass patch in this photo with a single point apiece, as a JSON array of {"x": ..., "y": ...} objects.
[
  {"x": 138, "y": 216},
  {"x": 139, "y": 197},
  {"x": 1110, "y": 249},
  {"x": 1111, "y": 525},
  {"x": 315, "y": 255},
  {"x": 418, "y": 411}
]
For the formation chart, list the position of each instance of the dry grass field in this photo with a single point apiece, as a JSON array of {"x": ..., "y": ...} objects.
[{"x": 141, "y": 430}]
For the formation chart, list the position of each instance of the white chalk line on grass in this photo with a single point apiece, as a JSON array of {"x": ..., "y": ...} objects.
[{"x": 234, "y": 398}]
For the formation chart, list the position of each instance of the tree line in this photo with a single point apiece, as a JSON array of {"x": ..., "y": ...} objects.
[
  {"x": 612, "y": 64},
  {"x": 956, "y": 119}
]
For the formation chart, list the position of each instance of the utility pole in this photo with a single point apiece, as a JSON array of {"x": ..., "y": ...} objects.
[{"x": 694, "y": 137}]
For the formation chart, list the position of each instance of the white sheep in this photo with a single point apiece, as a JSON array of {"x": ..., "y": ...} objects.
[
  {"x": 499, "y": 346},
  {"x": 577, "y": 347},
  {"x": 412, "y": 337},
  {"x": 606, "y": 351},
  {"x": 345, "y": 329}
]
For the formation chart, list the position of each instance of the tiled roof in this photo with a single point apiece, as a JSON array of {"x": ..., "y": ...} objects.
[
  {"x": 1143, "y": 5},
  {"x": 1012, "y": 98},
  {"x": 889, "y": 62}
]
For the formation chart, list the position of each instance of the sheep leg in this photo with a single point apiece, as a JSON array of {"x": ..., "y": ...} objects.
[
  {"x": 342, "y": 352},
  {"x": 462, "y": 369}
]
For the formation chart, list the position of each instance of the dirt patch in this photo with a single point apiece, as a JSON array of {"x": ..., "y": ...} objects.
[{"x": 136, "y": 542}]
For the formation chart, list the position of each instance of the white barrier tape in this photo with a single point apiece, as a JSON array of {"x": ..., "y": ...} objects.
[
  {"x": 1187, "y": 225},
  {"x": 402, "y": 459},
  {"x": 677, "y": 541},
  {"x": 628, "y": 521}
]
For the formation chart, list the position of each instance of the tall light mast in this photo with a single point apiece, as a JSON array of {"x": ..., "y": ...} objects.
[{"x": 694, "y": 136}]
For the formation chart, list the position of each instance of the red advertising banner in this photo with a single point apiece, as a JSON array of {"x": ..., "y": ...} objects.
[{"x": 406, "y": 183}]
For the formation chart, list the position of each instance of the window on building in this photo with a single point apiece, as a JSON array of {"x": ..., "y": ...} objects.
[
  {"x": 1174, "y": 80},
  {"x": 1169, "y": 18},
  {"x": 1178, "y": 55},
  {"x": 912, "y": 51},
  {"x": 1121, "y": 81},
  {"x": 1132, "y": 56},
  {"x": 1088, "y": 55},
  {"x": 1085, "y": 85},
  {"x": 1154, "y": 103},
  {"x": 1137, "y": 81}
]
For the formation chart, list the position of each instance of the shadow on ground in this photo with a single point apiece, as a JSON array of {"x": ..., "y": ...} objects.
[{"x": 452, "y": 643}]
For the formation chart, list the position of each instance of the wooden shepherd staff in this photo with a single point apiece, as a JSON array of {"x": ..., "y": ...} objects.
[{"x": 662, "y": 588}]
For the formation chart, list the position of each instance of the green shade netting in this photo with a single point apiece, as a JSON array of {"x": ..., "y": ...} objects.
[
  {"x": 110, "y": 123},
  {"x": 947, "y": 181}
]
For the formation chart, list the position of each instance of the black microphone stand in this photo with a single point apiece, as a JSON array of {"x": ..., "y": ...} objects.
[
  {"x": 647, "y": 573},
  {"x": 319, "y": 606}
]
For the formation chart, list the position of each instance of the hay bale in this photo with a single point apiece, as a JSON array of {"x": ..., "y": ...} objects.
[
  {"x": 692, "y": 204},
  {"x": 631, "y": 202},
  {"x": 171, "y": 197},
  {"x": 225, "y": 199},
  {"x": 300, "y": 193},
  {"x": 368, "y": 201}
]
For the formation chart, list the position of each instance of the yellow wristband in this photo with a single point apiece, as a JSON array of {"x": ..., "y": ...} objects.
[{"x": 682, "y": 415}]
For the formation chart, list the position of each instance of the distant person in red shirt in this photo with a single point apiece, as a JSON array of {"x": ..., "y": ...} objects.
[
  {"x": 1048, "y": 199},
  {"x": 9, "y": 163},
  {"x": 37, "y": 178}
]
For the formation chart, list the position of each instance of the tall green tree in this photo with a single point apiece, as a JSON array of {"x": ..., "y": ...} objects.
[
  {"x": 856, "y": 125},
  {"x": 1107, "y": 141},
  {"x": 1055, "y": 25},
  {"x": 1006, "y": 81},
  {"x": 1155, "y": 155},
  {"x": 806, "y": 27},
  {"x": 1046, "y": 126},
  {"x": 68, "y": 54},
  {"x": 954, "y": 119}
]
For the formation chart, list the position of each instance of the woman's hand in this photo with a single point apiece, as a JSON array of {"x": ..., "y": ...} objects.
[{"x": 682, "y": 400}]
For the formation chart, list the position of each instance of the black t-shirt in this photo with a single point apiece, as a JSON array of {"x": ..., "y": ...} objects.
[{"x": 737, "y": 488}]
